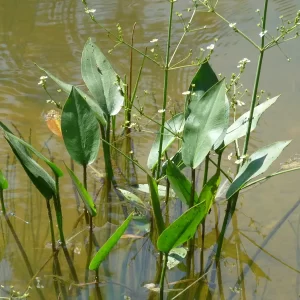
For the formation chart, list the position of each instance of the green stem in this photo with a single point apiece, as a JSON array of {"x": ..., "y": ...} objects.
[
  {"x": 2, "y": 202},
  {"x": 257, "y": 78},
  {"x": 162, "y": 277},
  {"x": 165, "y": 92}
]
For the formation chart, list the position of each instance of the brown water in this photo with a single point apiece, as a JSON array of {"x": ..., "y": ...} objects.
[{"x": 52, "y": 34}]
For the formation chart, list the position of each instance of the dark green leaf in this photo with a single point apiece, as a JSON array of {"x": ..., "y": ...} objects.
[
  {"x": 110, "y": 243},
  {"x": 257, "y": 164},
  {"x": 159, "y": 221},
  {"x": 67, "y": 88},
  {"x": 39, "y": 177},
  {"x": 84, "y": 195},
  {"x": 101, "y": 79},
  {"x": 80, "y": 129},
  {"x": 173, "y": 127},
  {"x": 180, "y": 184},
  {"x": 205, "y": 124},
  {"x": 182, "y": 229}
]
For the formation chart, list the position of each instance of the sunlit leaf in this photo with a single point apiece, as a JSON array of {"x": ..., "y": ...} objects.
[
  {"x": 132, "y": 198},
  {"x": 109, "y": 244},
  {"x": 176, "y": 256},
  {"x": 180, "y": 184},
  {"x": 208, "y": 193},
  {"x": 182, "y": 229},
  {"x": 257, "y": 163},
  {"x": 161, "y": 189},
  {"x": 84, "y": 195},
  {"x": 239, "y": 128},
  {"x": 80, "y": 129},
  {"x": 101, "y": 79},
  {"x": 3, "y": 182},
  {"x": 206, "y": 122},
  {"x": 173, "y": 127},
  {"x": 53, "y": 119}
]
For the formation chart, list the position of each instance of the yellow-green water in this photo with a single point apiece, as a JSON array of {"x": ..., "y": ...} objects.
[{"x": 52, "y": 34}]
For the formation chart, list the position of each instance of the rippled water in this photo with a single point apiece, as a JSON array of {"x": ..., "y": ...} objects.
[{"x": 52, "y": 34}]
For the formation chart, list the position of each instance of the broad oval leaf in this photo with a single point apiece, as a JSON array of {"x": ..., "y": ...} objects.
[
  {"x": 159, "y": 221},
  {"x": 180, "y": 184},
  {"x": 110, "y": 243},
  {"x": 39, "y": 177},
  {"x": 101, "y": 79},
  {"x": 204, "y": 79},
  {"x": 3, "y": 182},
  {"x": 209, "y": 191},
  {"x": 80, "y": 129},
  {"x": 205, "y": 124},
  {"x": 67, "y": 88},
  {"x": 239, "y": 128},
  {"x": 182, "y": 229},
  {"x": 132, "y": 198},
  {"x": 173, "y": 127},
  {"x": 83, "y": 193},
  {"x": 257, "y": 164}
]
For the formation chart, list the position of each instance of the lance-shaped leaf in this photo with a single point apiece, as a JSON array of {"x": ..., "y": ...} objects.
[
  {"x": 176, "y": 159},
  {"x": 156, "y": 204},
  {"x": 39, "y": 177},
  {"x": 173, "y": 127},
  {"x": 67, "y": 88},
  {"x": 209, "y": 191},
  {"x": 83, "y": 193},
  {"x": 3, "y": 182},
  {"x": 239, "y": 128},
  {"x": 80, "y": 129},
  {"x": 180, "y": 184},
  {"x": 101, "y": 79},
  {"x": 257, "y": 164},
  {"x": 204, "y": 79},
  {"x": 205, "y": 124},
  {"x": 182, "y": 229},
  {"x": 110, "y": 243}
]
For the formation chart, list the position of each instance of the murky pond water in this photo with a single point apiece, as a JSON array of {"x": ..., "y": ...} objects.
[{"x": 261, "y": 255}]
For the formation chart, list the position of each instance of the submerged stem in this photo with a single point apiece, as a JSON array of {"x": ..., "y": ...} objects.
[{"x": 162, "y": 277}]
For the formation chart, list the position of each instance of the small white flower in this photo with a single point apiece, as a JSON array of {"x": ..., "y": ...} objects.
[
  {"x": 186, "y": 93},
  {"x": 232, "y": 25},
  {"x": 160, "y": 111},
  {"x": 90, "y": 11},
  {"x": 258, "y": 10},
  {"x": 210, "y": 47},
  {"x": 238, "y": 161},
  {"x": 263, "y": 33},
  {"x": 152, "y": 50},
  {"x": 240, "y": 103},
  {"x": 43, "y": 77},
  {"x": 230, "y": 156},
  {"x": 154, "y": 41}
]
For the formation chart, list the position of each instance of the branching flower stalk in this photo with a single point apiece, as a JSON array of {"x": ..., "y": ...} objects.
[{"x": 165, "y": 92}]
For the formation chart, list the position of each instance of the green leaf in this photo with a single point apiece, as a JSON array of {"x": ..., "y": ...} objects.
[
  {"x": 84, "y": 195},
  {"x": 161, "y": 189},
  {"x": 182, "y": 229},
  {"x": 204, "y": 79},
  {"x": 132, "y": 198},
  {"x": 58, "y": 172},
  {"x": 39, "y": 177},
  {"x": 257, "y": 164},
  {"x": 209, "y": 191},
  {"x": 3, "y": 182},
  {"x": 110, "y": 243},
  {"x": 101, "y": 79},
  {"x": 239, "y": 128},
  {"x": 159, "y": 221},
  {"x": 176, "y": 256},
  {"x": 205, "y": 124},
  {"x": 80, "y": 129},
  {"x": 176, "y": 159},
  {"x": 173, "y": 127},
  {"x": 67, "y": 88},
  {"x": 180, "y": 184}
]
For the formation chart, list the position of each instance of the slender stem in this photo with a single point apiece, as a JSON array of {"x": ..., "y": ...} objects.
[
  {"x": 162, "y": 277},
  {"x": 257, "y": 78},
  {"x": 193, "y": 175},
  {"x": 2, "y": 202},
  {"x": 165, "y": 92}
]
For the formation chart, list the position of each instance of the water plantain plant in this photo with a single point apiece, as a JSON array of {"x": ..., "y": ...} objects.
[{"x": 203, "y": 127}]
